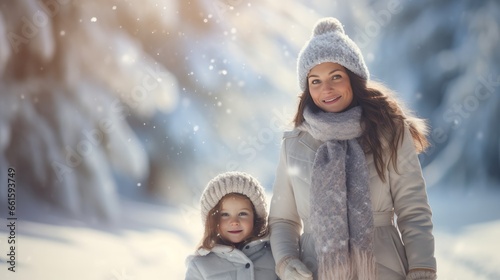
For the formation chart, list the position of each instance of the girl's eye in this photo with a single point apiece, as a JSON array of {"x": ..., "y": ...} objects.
[
  {"x": 316, "y": 81},
  {"x": 336, "y": 77},
  {"x": 243, "y": 214},
  {"x": 224, "y": 214}
]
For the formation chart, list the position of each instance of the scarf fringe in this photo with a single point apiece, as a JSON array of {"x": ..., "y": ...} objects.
[
  {"x": 329, "y": 271},
  {"x": 362, "y": 266},
  {"x": 363, "y": 262}
]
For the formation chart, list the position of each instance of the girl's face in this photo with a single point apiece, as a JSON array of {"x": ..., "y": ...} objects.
[
  {"x": 236, "y": 219},
  {"x": 330, "y": 87}
]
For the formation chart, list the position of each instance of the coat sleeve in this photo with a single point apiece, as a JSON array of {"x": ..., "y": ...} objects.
[
  {"x": 284, "y": 220},
  {"x": 414, "y": 215},
  {"x": 193, "y": 272}
]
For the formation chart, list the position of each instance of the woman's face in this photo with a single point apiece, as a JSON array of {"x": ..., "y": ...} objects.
[
  {"x": 330, "y": 87},
  {"x": 236, "y": 219}
]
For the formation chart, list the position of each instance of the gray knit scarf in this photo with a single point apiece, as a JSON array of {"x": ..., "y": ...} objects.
[{"x": 341, "y": 212}]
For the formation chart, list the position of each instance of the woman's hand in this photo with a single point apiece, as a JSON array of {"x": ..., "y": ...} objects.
[{"x": 296, "y": 270}]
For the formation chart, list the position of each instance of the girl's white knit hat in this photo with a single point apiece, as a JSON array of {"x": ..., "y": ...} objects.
[
  {"x": 233, "y": 182},
  {"x": 329, "y": 43}
]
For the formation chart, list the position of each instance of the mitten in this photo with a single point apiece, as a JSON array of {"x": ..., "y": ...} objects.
[
  {"x": 421, "y": 274},
  {"x": 293, "y": 269}
]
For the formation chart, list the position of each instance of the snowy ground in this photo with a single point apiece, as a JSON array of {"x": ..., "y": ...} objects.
[
  {"x": 152, "y": 241},
  {"x": 467, "y": 229}
]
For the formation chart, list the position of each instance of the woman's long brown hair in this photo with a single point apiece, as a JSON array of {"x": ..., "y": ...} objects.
[
  {"x": 211, "y": 236},
  {"x": 383, "y": 120}
]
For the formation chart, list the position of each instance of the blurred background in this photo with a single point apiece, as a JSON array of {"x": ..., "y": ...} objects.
[{"x": 115, "y": 114}]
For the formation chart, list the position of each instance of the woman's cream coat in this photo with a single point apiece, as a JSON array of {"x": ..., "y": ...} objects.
[{"x": 403, "y": 193}]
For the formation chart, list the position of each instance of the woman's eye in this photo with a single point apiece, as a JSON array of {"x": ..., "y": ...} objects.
[
  {"x": 313, "y": 82},
  {"x": 224, "y": 214},
  {"x": 243, "y": 214},
  {"x": 336, "y": 77}
]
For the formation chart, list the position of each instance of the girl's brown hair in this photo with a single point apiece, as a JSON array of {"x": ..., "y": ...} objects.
[
  {"x": 383, "y": 120},
  {"x": 211, "y": 235}
]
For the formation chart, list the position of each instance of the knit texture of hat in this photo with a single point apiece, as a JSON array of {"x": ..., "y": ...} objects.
[
  {"x": 233, "y": 182},
  {"x": 329, "y": 43}
]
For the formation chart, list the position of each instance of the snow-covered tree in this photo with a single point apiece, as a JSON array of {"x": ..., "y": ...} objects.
[
  {"x": 443, "y": 57},
  {"x": 99, "y": 95}
]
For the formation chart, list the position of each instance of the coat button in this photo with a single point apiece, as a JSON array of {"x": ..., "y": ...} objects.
[
  {"x": 246, "y": 247},
  {"x": 247, "y": 265}
]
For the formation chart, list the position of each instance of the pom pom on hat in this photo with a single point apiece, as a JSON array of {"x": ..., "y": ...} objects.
[
  {"x": 328, "y": 25},
  {"x": 329, "y": 43},
  {"x": 233, "y": 182}
]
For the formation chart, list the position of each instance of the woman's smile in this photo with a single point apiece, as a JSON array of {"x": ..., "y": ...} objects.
[{"x": 332, "y": 100}]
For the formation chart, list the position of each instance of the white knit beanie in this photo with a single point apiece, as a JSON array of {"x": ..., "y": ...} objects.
[
  {"x": 233, "y": 182},
  {"x": 329, "y": 43}
]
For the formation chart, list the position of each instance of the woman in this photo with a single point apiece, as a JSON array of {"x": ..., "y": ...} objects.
[{"x": 349, "y": 165}]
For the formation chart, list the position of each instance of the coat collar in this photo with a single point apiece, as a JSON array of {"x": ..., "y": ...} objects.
[
  {"x": 304, "y": 138},
  {"x": 249, "y": 248}
]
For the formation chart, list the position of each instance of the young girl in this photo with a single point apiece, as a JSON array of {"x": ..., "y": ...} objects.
[{"x": 235, "y": 244}]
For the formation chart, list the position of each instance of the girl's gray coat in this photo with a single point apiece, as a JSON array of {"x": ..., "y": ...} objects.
[{"x": 253, "y": 262}]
